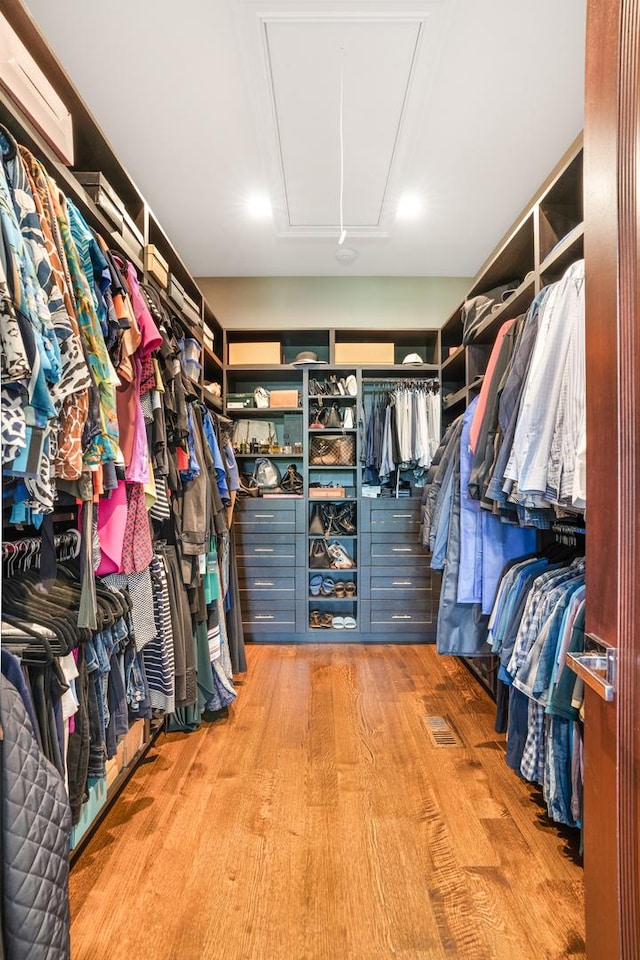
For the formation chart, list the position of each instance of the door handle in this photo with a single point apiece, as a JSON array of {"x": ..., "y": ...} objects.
[
  {"x": 402, "y": 516},
  {"x": 402, "y": 549},
  {"x": 263, "y": 516},
  {"x": 264, "y": 616},
  {"x": 263, "y": 550},
  {"x": 263, "y": 583},
  {"x": 401, "y": 583},
  {"x": 401, "y": 616},
  {"x": 597, "y": 669}
]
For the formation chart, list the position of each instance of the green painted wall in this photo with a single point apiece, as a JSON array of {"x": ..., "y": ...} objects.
[{"x": 374, "y": 303}]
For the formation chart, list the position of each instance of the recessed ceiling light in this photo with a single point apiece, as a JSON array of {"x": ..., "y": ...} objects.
[
  {"x": 409, "y": 207},
  {"x": 259, "y": 206}
]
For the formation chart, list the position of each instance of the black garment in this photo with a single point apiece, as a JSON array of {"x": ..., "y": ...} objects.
[{"x": 78, "y": 748}]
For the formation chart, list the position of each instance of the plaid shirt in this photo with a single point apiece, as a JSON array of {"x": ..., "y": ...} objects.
[{"x": 533, "y": 756}]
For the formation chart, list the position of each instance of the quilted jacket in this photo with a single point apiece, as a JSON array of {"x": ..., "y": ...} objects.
[{"x": 36, "y": 824}]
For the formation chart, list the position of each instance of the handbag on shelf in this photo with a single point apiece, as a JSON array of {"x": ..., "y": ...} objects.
[
  {"x": 248, "y": 486},
  {"x": 334, "y": 420},
  {"x": 316, "y": 525},
  {"x": 261, "y": 398},
  {"x": 319, "y": 556},
  {"x": 266, "y": 474},
  {"x": 332, "y": 451},
  {"x": 292, "y": 481},
  {"x": 245, "y": 430}
]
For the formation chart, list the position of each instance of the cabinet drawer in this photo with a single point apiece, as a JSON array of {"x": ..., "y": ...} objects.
[
  {"x": 269, "y": 621},
  {"x": 386, "y": 548},
  {"x": 384, "y": 616},
  {"x": 266, "y": 553},
  {"x": 397, "y": 520},
  {"x": 403, "y": 581},
  {"x": 410, "y": 596},
  {"x": 267, "y": 583},
  {"x": 253, "y": 606},
  {"x": 251, "y": 538},
  {"x": 267, "y": 519},
  {"x": 260, "y": 505}
]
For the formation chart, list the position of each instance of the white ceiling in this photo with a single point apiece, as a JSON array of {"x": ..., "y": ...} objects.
[{"x": 466, "y": 104}]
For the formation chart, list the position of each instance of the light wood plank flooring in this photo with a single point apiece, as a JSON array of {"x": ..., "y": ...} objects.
[{"x": 320, "y": 822}]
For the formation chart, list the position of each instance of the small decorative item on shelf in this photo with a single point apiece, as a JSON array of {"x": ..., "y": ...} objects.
[{"x": 297, "y": 448}]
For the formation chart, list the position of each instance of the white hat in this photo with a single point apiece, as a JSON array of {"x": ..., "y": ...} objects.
[
  {"x": 306, "y": 357},
  {"x": 413, "y": 358}
]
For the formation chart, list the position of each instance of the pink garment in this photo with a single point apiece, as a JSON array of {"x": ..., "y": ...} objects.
[
  {"x": 112, "y": 521},
  {"x": 151, "y": 338},
  {"x": 478, "y": 416}
]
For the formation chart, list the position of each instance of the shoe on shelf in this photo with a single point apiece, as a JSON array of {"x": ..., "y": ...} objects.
[
  {"x": 314, "y": 619},
  {"x": 315, "y": 585},
  {"x": 339, "y": 590},
  {"x": 351, "y": 386},
  {"x": 350, "y": 588},
  {"x": 348, "y": 422},
  {"x": 340, "y": 559},
  {"x": 338, "y": 623},
  {"x": 349, "y": 623},
  {"x": 327, "y": 587}
]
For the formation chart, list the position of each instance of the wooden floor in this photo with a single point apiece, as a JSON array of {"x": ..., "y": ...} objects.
[{"x": 320, "y": 822}]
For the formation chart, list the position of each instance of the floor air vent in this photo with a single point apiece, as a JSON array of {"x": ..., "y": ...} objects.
[{"x": 442, "y": 734}]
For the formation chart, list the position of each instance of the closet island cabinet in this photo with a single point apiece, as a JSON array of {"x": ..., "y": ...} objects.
[{"x": 321, "y": 564}]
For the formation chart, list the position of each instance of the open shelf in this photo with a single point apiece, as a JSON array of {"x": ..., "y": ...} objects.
[{"x": 565, "y": 252}]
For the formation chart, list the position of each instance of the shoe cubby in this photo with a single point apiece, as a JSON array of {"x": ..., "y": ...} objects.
[
  {"x": 330, "y": 618},
  {"x": 339, "y": 586}
]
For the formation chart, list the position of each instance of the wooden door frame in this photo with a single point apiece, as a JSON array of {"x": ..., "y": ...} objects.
[{"x": 612, "y": 247}]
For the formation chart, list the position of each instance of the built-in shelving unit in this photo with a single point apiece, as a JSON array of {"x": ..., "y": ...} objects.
[
  {"x": 284, "y": 595},
  {"x": 546, "y": 239}
]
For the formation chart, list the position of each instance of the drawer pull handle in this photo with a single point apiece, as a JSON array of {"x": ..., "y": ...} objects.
[
  {"x": 263, "y": 583},
  {"x": 401, "y": 583},
  {"x": 263, "y": 516},
  {"x": 264, "y": 616},
  {"x": 402, "y": 549},
  {"x": 263, "y": 550},
  {"x": 401, "y": 616},
  {"x": 402, "y": 516}
]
